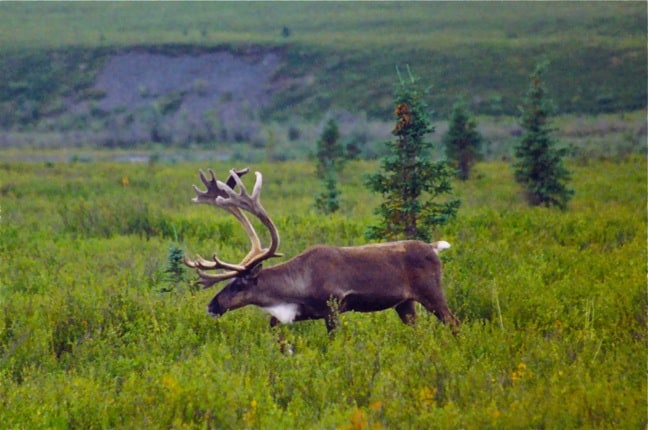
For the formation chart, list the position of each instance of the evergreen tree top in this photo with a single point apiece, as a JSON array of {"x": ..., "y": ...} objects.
[{"x": 412, "y": 111}]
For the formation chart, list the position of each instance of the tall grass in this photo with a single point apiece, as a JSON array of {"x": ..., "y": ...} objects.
[{"x": 553, "y": 307}]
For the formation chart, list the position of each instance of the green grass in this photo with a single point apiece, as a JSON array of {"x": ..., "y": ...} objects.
[
  {"x": 331, "y": 25},
  {"x": 553, "y": 307}
]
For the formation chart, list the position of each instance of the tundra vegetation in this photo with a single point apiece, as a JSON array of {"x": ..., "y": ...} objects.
[
  {"x": 98, "y": 329},
  {"x": 102, "y": 326}
]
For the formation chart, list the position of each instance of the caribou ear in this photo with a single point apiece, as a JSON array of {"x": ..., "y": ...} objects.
[{"x": 254, "y": 272}]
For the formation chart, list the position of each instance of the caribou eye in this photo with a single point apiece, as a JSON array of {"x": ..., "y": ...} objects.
[
  {"x": 243, "y": 283},
  {"x": 237, "y": 286}
]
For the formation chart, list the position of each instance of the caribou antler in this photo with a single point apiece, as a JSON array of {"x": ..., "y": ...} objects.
[{"x": 222, "y": 194}]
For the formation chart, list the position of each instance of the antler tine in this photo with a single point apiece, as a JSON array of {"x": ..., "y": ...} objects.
[
  {"x": 223, "y": 194},
  {"x": 256, "y": 191},
  {"x": 213, "y": 186},
  {"x": 208, "y": 280},
  {"x": 216, "y": 263},
  {"x": 191, "y": 263},
  {"x": 231, "y": 181},
  {"x": 208, "y": 183},
  {"x": 243, "y": 200},
  {"x": 212, "y": 190}
]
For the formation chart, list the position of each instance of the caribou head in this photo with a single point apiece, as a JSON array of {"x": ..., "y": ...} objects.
[{"x": 362, "y": 278}]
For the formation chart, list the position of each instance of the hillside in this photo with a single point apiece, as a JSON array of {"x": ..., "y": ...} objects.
[{"x": 324, "y": 57}]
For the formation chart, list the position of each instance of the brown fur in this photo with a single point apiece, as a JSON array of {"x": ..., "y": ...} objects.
[{"x": 363, "y": 279}]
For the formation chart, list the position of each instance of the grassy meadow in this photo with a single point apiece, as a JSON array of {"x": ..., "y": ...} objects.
[{"x": 95, "y": 333}]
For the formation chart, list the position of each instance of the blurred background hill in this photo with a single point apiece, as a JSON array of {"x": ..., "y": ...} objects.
[{"x": 264, "y": 75}]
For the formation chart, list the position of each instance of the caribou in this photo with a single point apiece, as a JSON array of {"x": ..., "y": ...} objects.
[{"x": 323, "y": 280}]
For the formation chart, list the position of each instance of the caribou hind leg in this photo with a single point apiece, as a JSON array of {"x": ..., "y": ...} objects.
[
  {"x": 440, "y": 309},
  {"x": 407, "y": 312},
  {"x": 434, "y": 301}
]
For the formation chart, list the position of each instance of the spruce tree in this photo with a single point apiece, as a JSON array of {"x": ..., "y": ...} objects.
[
  {"x": 415, "y": 190},
  {"x": 330, "y": 161},
  {"x": 327, "y": 200},
  {"x": 462, "y": 141},
  {"x": 175, "y": 272},
  {"x": 330, "y": 152},
  {"x": 539, "y": 167}
]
